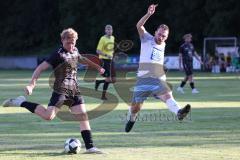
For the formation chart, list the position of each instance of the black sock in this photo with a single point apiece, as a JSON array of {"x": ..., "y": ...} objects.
[
  {"x": 183, "y": 84},
  {"x": 87, "y": 138},
  {"x": 105, "y": 86},
  {"x": 192, "y": 85},
  {"x": 100, "y": 81},
  {"x": 30, "y": 106},
  {"x": 97, "y": 83}
]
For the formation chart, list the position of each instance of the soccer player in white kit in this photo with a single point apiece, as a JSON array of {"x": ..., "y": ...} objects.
[{"x": 151, "y": 76}]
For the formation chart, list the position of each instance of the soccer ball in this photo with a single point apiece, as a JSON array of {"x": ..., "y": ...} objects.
[{"x": 72, "y": 146}]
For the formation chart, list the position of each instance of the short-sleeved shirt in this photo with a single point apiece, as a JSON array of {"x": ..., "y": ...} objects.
[
  {"x": 64, "y": 78},
  {"x": 151, "y": 76},
  {"x": 151, "y": 57},
  {"x": 187, "y": 50},
  {"x": 106, "y": 45}
]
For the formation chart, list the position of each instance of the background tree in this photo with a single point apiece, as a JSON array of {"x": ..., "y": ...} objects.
[{"x": 33, "y": 26}]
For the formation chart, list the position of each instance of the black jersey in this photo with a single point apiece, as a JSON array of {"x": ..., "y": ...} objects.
[
  {"x": 64, "y": 78},
  {"x": 187, "y": 50}
]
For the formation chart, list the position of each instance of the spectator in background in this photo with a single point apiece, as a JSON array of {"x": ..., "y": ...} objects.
[
  {"x": 208, "y": 62},
  {"x": 235, "y": 62},
  {"x": 228, "y": 60},
  {"x": 215, "y": 65},
  {"x": 222, "y": 63}
]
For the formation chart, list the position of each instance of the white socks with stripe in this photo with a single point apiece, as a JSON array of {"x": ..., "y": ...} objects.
[{"x": 172, "y": 105}]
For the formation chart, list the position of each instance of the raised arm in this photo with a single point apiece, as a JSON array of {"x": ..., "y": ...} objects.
[
  {"x": 43, "y": 66},
  {"x": 142, "y": 21}
]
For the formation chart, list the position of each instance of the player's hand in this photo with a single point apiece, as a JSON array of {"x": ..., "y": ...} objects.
[
  {"x": 101, "y": 70},
  {"x": 151, "y": 9},
  {"x": 28, "y": 89}
]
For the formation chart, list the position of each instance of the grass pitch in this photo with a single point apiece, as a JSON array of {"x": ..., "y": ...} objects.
[{"x": 212, "y": 131}]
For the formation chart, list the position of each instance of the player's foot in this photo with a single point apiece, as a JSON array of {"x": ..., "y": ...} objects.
[
  {"x": 129, "y": 125},
  {"x": 93, "y": 150},
  {"x": 96, "y": 85},
  {"x": 195, "y": 91},
  {"x": 131, "y": 119},
  {"x": 180, "y": 90},
  {"x": 182, "y": 113},
  {"x": 14, "y": 102}
]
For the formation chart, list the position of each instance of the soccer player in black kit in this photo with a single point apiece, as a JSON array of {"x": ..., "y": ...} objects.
[
  {"x": 186, "y": 53},
  {"x": 64, "y": 61}
]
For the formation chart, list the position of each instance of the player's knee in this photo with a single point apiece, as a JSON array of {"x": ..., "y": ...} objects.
[
  {"x": 81, "y": 117},
  {"x": 166, "y": 96},
  {"x": 135, "y": 109},
  {"x": 84, "y": 116},
  {"x": 49, "y": 117}
]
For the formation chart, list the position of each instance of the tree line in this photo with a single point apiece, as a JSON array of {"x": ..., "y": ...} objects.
[{"x": 33, "y": 26}]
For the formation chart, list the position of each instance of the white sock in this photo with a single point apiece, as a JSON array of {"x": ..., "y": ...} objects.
[
  {"x": 131, "y": 116},
  {"x": 172, "y": 105}
]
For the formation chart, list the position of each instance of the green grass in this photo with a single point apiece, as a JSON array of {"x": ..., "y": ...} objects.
[{"x": 212, "y": 131}]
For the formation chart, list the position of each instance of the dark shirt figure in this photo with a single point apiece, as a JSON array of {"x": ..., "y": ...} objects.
[
  {"x": 186, "y": 54},
  {"x": 64, "y": 61}
]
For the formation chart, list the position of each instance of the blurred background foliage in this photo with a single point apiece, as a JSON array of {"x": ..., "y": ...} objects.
[{"x": 32, "y": 27}]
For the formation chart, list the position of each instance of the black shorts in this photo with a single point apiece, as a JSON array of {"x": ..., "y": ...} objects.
[
  {"x": 58, "y": 100},
  {"x": 108, "y": 65},
  {"x": 188, "y": 68}
]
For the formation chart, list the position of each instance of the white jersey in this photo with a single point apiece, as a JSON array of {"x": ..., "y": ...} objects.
[{"x": 151, "y": 58}]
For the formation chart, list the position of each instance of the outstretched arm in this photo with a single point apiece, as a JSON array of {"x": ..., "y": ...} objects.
[
  {"x": 85, "y": 60},
  {"x": 142, "y": 21},
  {"x": 43, "y": 66}
]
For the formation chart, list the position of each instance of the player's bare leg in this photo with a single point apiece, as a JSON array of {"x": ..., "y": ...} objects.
[
  {"x": 48, "y": 113},
  {"x": 45, "y": 113},
  {"x": 80, "y": 114},
  {"x": 132, "y": 115}
]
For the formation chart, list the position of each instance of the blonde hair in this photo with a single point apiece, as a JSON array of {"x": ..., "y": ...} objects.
[{"x": 69, "y": 32}]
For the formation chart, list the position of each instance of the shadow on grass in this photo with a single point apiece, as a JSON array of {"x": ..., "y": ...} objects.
[
  {"x": 47, "y": 154},
  {"x": 207, "y": 126}
]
